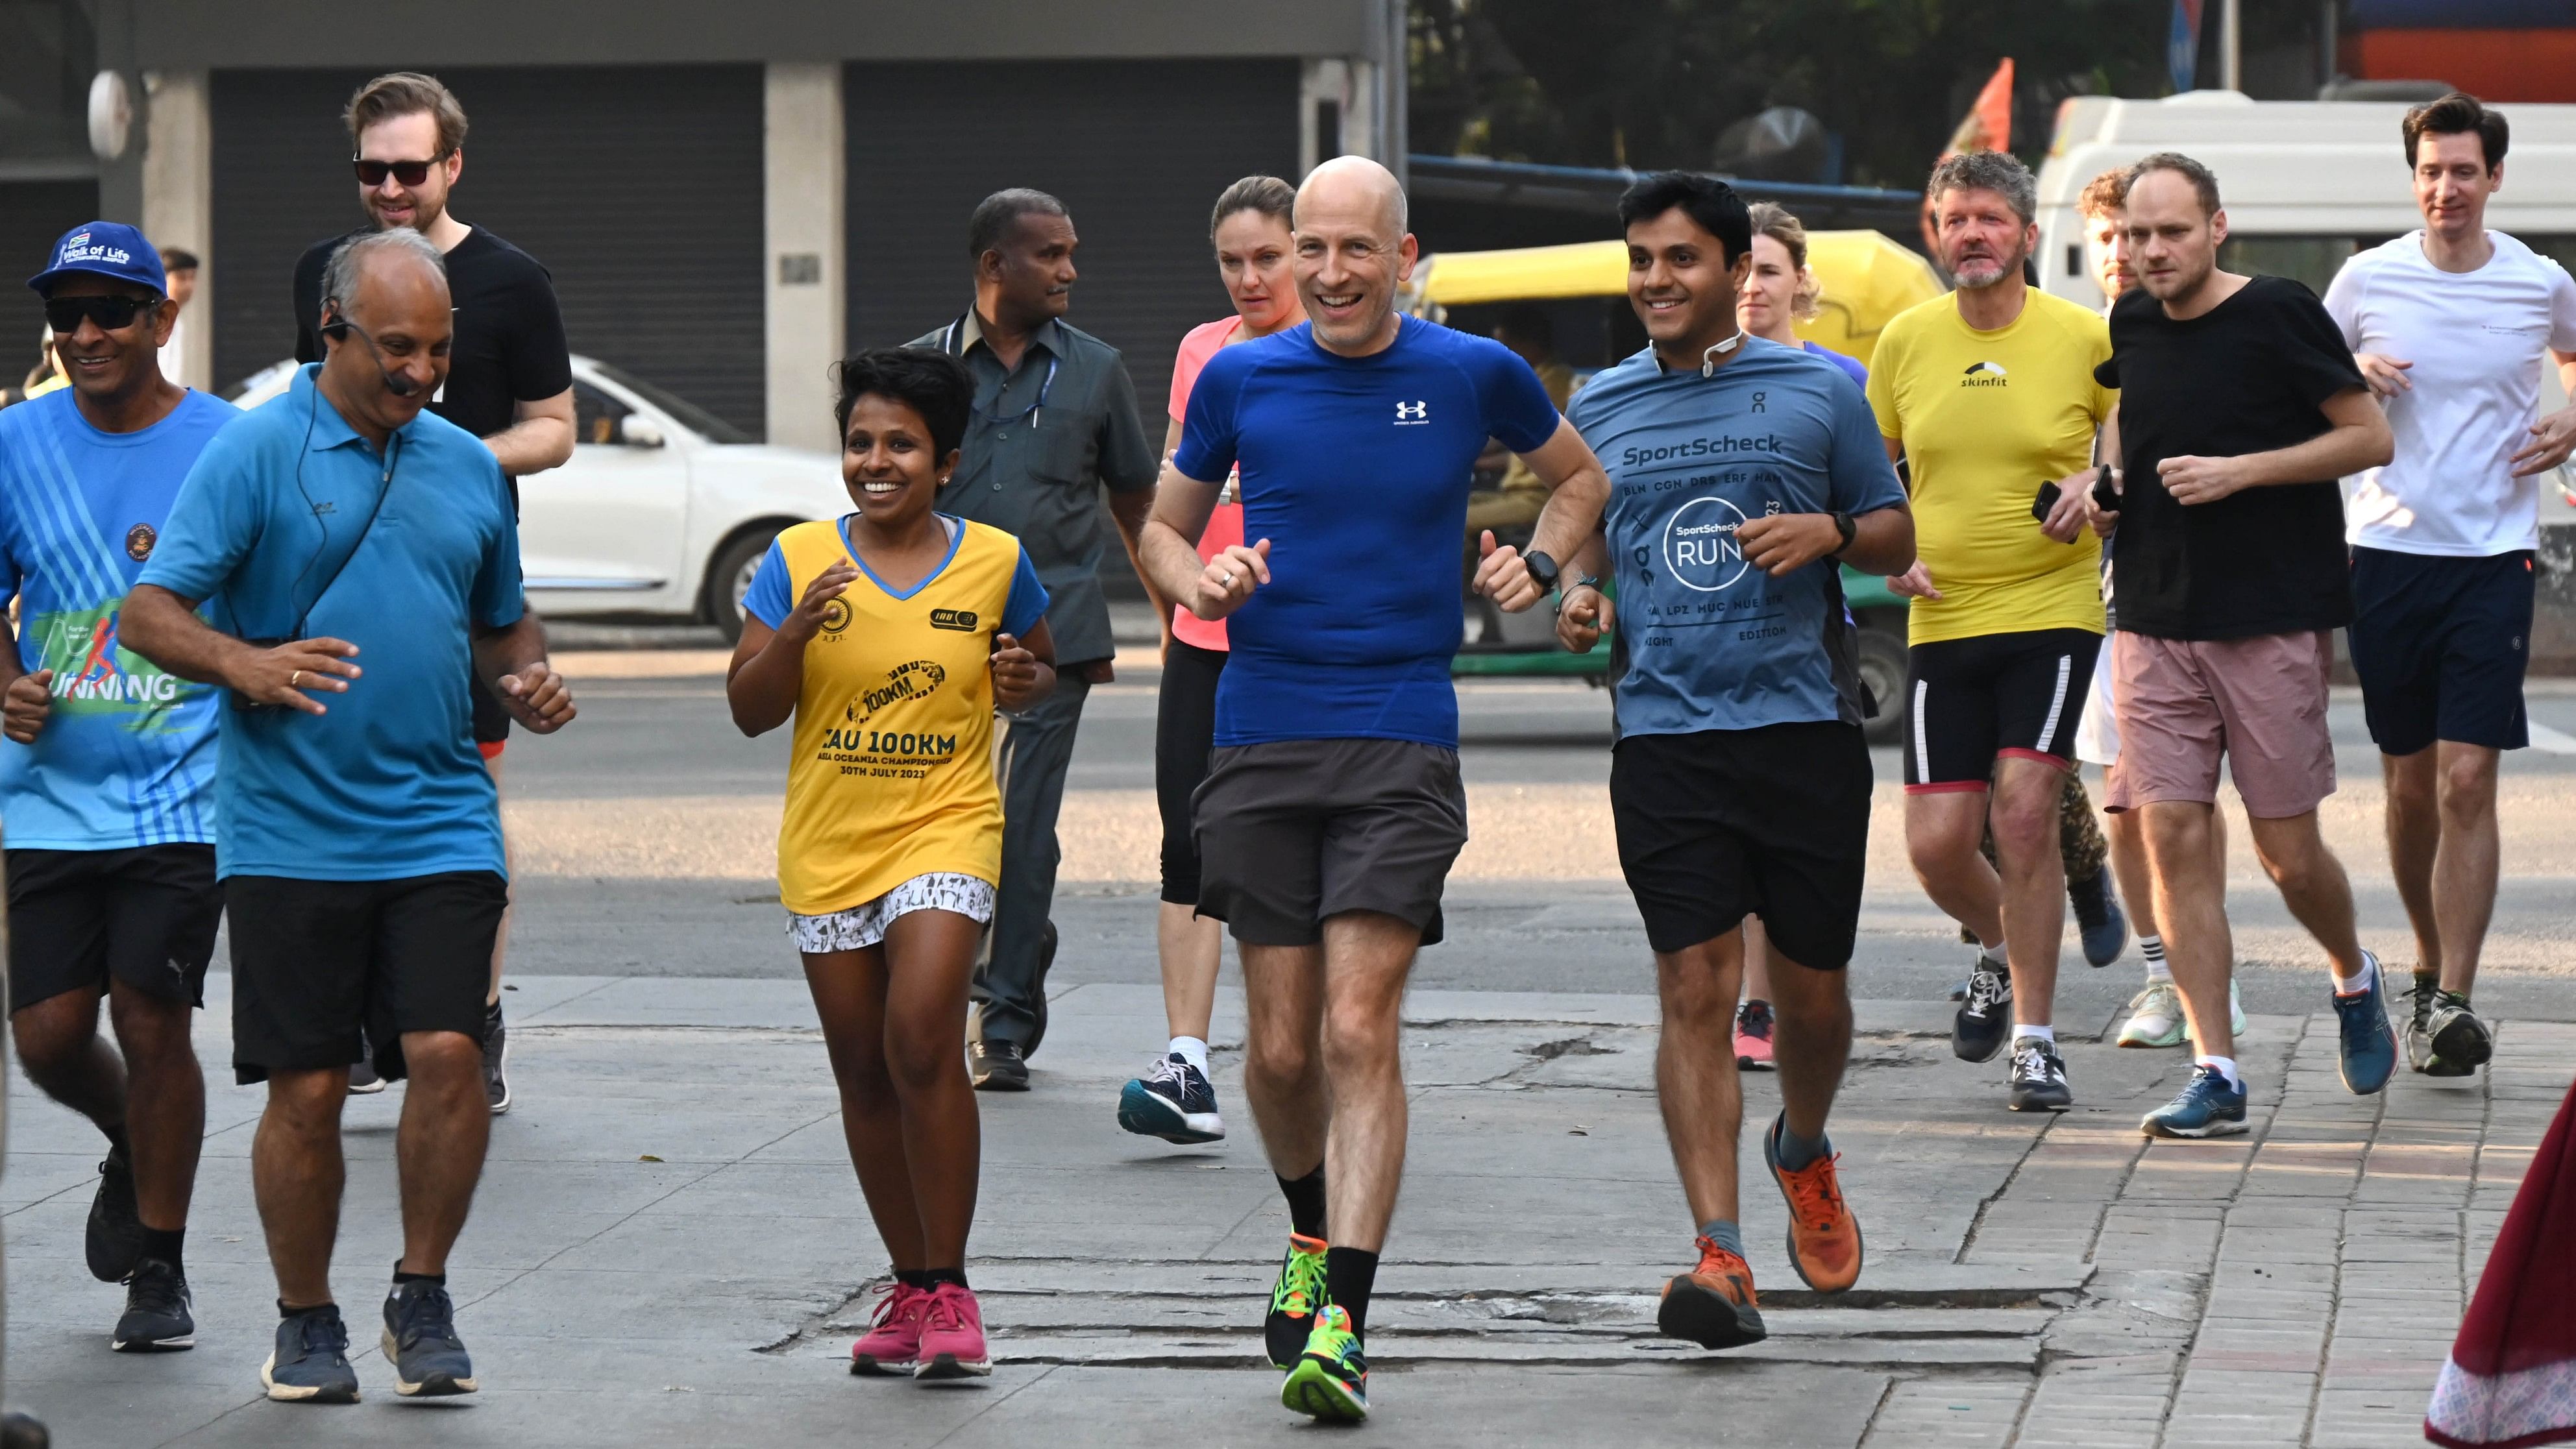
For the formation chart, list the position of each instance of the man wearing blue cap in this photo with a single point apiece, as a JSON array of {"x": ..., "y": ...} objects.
[{"x": 107, "y": 778}]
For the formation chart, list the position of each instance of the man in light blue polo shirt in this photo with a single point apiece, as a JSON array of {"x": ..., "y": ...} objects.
[
  {"x": 354, "y": 552},
  {"x": 1741, "y": 472}
]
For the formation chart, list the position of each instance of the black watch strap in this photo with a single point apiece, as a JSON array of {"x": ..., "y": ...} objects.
[
  {"x": 1847, "y": 527},
  {"x": 1542, "y": 569}
]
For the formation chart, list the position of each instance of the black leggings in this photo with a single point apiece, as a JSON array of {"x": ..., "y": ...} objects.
[{"x": 1184, "y": 732}]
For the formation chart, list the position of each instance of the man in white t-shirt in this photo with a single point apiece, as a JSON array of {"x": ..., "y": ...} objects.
[{"x": 2450, "y": 325}]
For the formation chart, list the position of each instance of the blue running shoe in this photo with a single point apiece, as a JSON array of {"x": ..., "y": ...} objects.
[
  {"x": 421, "y": 1343},
  {"x": 2368, "y": 1048},
  {"x": 2206, "y": 1107},
  {"x": 1173, "y": 1101},
  {"x": 310, "y": 1364},
  {"x": 2098, "y": 917}
]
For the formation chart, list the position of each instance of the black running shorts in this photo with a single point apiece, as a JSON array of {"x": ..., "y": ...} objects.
[
  {"x": 1722, "y": 824},
  {"x": 1971, "y": 701},
  {"x": 2441, "y": 645},
  {"x": 314, "y": 960},
  {"x": 1184, "y": 735},
  {"x": 145, "y": 916},
  {"x": 1293, "y": 831}
]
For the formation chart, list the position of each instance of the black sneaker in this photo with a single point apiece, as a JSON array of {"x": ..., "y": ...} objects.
[
  {"x": 2103, "y": 926},
  {"x": 2419, "y": 1021},
  {"x": 363, "y": 1079},
  {"x": 1174, "y": 1101},
  {"x": 1985, "y": 1014},
  {"x": 310, "y": 1364},
  {"x": 115, "y": 1239},
  {"x": 996, "y": 1066},
  {"x": 2038, "y": 1077},
  {"x": 2461, "y": 1042},
  {"x": 156, "y": 1311},
  {"x": 496, "y": 1058},
  {"x": 420, "y": 1342}
]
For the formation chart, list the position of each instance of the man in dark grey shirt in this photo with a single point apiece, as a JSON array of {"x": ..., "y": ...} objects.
[{"x": 1055, "y": 420}]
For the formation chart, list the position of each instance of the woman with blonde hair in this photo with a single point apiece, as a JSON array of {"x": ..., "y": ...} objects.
[{"x": 1782, "y": 290}]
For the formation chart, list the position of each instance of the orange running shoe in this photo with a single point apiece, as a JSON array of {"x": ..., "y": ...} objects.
[
  {"x": 1712, "y": 1305},
  {"x": 1824, "y": 1237}
]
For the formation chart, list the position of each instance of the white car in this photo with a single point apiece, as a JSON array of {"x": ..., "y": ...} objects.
[{"x": 664, "y": 510}]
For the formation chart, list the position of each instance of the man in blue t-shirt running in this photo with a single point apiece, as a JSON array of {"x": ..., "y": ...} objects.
[
  {"x": 1332, "y": 807},
  {"x": 107, "y": 780},
  {"x": 1742, "y": 472}
]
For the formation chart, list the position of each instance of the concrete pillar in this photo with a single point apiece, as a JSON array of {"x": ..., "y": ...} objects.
[
  {"x": 807, "y": 245},
  {"x": 178, "y": 203}
]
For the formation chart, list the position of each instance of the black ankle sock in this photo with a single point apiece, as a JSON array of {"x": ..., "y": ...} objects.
[
  {"x": 401, "y": 1277},
  {"x": 1349, "y": 1274},
  {"x": 933, "y": 1277},
  {"x": 285, "y": 1312},
  {"x": 1305, "y": 1202},
  {"x": 165, "y": 1246},
  {"x": 912, "y": 1277}
]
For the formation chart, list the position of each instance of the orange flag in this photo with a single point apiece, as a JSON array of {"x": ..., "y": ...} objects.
[{"x": 1988, "y": 124}]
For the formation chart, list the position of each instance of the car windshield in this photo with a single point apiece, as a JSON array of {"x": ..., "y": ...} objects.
[{"x": 687, "y": 414}]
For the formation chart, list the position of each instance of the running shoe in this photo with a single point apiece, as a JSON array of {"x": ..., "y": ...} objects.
[
  {"x": 952, "y": 1336},
  {"x": 496, "y": 1059},
  {"x": 2368, "y": 1049},
  {"x": 1712, "y": 1305},
  {"x": 1753, "y": 1037},
  {"x": 2461, "y": 1040},
  {"x": 2038, "y": 1077},
  {"x": 893, "y": 1342},
  {"x": 2156, "y": 1019},
  {"x": 363, "y": 1079},
  {"x": 2419, "y": 1021},
  {"x": 1824, "y": 1237},
  {"x": 1330, "y": 1380},
  {"x": 156, "y": 1311},
  {"x": 310, "y": 1364},
  {"x": 996, "y": 1066},
  {"x": 115, "y": 1238},
  {"x": 1174, "y": 1101},
  {"x": 1294, "y": 1300},
  {"x": 1984, "y": 1019},
  {"x": 2098, "y": 917},
  {"x": 2205, "y": 1107},
  {"x": 420, "y": 1342}
]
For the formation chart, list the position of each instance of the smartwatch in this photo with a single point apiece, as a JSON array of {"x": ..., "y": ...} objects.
[
  {"x": 1542, "y": 569},
  {"x": 1844, "y": 525}
]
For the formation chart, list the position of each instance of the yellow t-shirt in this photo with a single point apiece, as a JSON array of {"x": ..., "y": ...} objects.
[
  {"x": 892, "y": 771},
  {"x": 1986, "y": 417}
]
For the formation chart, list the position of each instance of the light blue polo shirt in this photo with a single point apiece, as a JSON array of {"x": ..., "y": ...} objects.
[
  {"x": 388, "y": 784},
  {"x": 1713, "y": 642}
]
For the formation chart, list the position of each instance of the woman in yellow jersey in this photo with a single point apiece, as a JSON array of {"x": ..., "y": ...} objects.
[{"x": 891, "y": 635}]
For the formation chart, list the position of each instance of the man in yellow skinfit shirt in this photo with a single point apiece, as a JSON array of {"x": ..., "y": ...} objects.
[{"x": 1989, "y": 393}]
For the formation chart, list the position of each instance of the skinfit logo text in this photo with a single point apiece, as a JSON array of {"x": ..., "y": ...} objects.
[{"x": 1983, "y": 374}]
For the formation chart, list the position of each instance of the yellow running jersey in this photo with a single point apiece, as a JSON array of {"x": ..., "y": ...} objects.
[
  {"x": 891, "y": 774},
  {"x": 1986, "y": 418}
]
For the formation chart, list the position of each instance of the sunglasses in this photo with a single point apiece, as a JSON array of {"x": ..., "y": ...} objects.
[
  {"x": 409, "y": 173},
  {"x": 112, "y": 314}
]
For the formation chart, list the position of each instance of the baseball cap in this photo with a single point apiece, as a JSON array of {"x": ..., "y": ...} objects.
[{"x": 104, "y": 249}]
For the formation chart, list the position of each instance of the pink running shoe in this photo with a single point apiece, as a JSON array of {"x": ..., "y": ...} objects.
[
  {"x": 1753, "y": 1037},
  {"x": 952, "y": 1336},
  {"x": 893, "y": 1341}
]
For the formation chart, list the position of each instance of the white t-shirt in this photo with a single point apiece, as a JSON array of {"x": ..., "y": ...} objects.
[{"x": 2478, "y": 340}]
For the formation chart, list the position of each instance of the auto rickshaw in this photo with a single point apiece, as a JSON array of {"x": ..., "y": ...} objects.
[{"x": 1582, "y": 292}]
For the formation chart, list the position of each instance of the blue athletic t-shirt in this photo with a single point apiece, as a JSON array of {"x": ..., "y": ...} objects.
[
  {"x": 1356, "y": 469},
  {"x": 127, "y": 755},
  {"x": 1713, "y": 642},
  {"x": 388, "y": 784}
]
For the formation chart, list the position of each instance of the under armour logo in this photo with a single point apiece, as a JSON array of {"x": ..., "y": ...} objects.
[{"x": 1413, "y": 412}]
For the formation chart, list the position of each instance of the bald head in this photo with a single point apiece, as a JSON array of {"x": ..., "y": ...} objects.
[
  {"x": 1353, "y": 253},
  {"x": 1349, "y": 188}
]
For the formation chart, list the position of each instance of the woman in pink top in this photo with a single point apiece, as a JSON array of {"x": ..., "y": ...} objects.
[{"x": 1174, "y": 1100}]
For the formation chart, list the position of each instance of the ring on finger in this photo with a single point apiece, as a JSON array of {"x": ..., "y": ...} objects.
[{"x": 295, "y": 679}]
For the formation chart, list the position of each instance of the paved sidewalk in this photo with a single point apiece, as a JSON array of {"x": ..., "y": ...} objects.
[{"x": 669, "y": 1248}]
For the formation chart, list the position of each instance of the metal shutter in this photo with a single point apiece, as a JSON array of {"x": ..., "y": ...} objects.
[
  {"x": 1136, "y": 150},
  {"x": 32, "y": 215},
  {"x": 639, "y": 187}
]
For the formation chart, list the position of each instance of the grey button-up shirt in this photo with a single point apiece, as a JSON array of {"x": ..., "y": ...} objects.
[{"x": 1044, "y": 439}]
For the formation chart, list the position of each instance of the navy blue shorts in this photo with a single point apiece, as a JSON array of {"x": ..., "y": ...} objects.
[{"x": 2440, "y": 645}]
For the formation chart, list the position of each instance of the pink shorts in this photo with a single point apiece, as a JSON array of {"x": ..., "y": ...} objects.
[{"x": 2261, "y": 702}]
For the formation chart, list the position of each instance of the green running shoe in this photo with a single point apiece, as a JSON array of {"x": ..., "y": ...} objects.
[
  {"x": 1293, "y": 1301},
  {"x": 1330, "y": 1380}
]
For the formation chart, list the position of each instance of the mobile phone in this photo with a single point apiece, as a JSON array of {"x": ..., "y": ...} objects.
[
  {"x": 2048, "y": 496},
  {"x": 2106, "y": 495}
]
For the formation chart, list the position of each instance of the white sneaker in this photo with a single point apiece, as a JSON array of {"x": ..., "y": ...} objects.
[{"x": 2155, "y": 1017}]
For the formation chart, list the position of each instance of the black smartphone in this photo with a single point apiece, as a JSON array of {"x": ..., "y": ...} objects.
[
  {"x": 2047, "y": 504},
  {"x": 2105, "y": 496}
]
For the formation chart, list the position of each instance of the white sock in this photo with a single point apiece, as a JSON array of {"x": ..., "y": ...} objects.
[
  {"x": 2154, "y": 947},
  {"x": 1191, "y": 1050},
  {"x": 2347, "y": 985},
  {"x": 1993, "y": 953},
  {"x": 2226, "y": 1068},
  {"x": 2047, "y": 1034}
]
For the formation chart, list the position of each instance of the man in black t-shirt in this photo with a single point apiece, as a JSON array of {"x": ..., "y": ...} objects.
[
  {"x": 2239, "y": 409},
  {"x": 509, "y": 378}
]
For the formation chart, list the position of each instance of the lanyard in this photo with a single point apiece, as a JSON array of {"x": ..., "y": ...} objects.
[{"x": 955, "y": 346}]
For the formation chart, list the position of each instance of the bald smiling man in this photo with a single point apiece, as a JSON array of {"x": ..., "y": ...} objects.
[{"x": 1332, "y": 809}]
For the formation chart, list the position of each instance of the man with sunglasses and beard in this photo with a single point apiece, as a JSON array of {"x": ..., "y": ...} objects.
[
  {"x": 107, "y": 781},
  {"x": 509, "y": 379}
]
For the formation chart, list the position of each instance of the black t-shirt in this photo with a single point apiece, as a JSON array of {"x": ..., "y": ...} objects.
[
  {"x": 2247, "y": 376},
  {"x": 509, "y": 345}
]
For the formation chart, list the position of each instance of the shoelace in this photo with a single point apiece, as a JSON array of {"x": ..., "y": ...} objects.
[
  {"x": 2031, "y": 1062},
  {"x": 428, "y": 1313},
  {"x": 1301, "y": 1278},
  {"x": 324, "y": 1333},
  {"x": 946, "y": 1310},
  {"x": 1754, "y": 1021},
  {"x": 894, "y": 1300},
  {"x": 2209, "y": 1079},
  {"x": 1987, "y": 989},
  {"x": 1165, "y": 1069},
  {"x": 1816, "y": 1197},
  {"x": 162, "y": 1291}
]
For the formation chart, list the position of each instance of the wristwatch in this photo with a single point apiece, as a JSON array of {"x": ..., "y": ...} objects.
[
  {"x": 1542, "y": 569},
  {"x": 1844, "y": 525}
]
